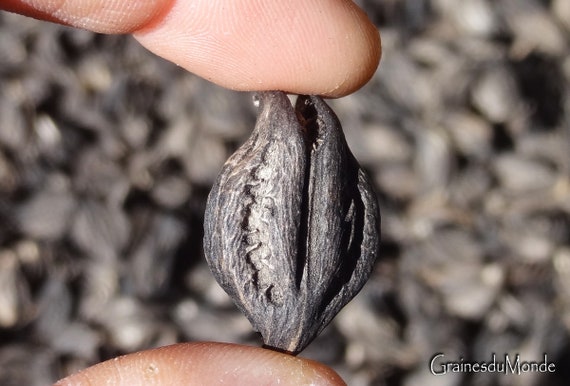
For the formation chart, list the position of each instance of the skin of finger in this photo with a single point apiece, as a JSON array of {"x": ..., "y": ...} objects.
[
  {"x": 326, "y": 47},
  {"x": 105, "y": 16},
  {"x": 205, "y": 364}
]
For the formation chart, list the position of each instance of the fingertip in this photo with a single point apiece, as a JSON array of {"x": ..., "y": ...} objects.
[
  {"x": 363, "y": 57},
  {"x": 206, "y": 363},
  {"x": 326, "y": 47}
]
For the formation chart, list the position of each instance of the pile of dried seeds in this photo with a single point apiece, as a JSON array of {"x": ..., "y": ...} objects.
[{"x": 107, "y": 155}]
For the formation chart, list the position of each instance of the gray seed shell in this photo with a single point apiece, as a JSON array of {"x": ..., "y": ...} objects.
[{"x": 291, "y": 229}]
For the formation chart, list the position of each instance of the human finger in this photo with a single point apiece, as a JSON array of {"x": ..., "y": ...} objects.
[
  {"x": 104, "y": 16},
  {"x": 326, "y": 47},
  {"x": 205, "y": 364}
]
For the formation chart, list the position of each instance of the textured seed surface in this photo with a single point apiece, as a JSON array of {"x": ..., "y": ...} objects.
[{"x": 292, "y": 224}]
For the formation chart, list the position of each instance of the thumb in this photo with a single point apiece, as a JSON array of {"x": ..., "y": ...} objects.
[
  {"x": 326, "y": 47},
  {"x": 205, "y": 364}
]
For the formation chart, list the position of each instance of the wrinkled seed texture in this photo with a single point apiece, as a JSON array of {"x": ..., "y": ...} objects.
[{"x": 291, "y": 229}]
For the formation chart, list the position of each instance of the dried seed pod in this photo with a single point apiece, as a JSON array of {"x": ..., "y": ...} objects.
[{"x": 292, "y": 223}]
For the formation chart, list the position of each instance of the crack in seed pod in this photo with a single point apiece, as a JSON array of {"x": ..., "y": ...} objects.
[{"x": 291, "y": 230}]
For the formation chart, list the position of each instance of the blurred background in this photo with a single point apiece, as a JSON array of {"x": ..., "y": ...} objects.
[{"x": 107, "y": 154}]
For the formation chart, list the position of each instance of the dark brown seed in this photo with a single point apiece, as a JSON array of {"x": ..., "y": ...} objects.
[{"x": 292, "y": 224}]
